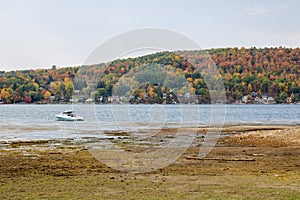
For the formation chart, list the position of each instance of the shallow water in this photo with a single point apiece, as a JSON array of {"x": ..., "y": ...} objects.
[{"x": 37, "y": 122}]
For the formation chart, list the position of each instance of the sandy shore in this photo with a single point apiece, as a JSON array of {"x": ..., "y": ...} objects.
[{"x": 248, "y": 162}]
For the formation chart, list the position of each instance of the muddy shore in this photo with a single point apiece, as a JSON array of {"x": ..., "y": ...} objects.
[{"x": 248, "y": 162}]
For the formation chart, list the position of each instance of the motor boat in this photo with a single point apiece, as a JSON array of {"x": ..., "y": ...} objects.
[{"x": 68, "y": 115}]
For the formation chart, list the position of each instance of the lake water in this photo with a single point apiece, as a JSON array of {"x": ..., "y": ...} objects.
[{"x": 35, "y": 122}]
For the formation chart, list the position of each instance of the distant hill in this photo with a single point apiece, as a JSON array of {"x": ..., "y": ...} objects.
[{"x": 250, "y": 73}]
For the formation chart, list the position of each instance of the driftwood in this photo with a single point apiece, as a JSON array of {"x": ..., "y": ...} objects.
[
  {"x": 257, "y": 154},
  {"x": 222, "y": 159}
]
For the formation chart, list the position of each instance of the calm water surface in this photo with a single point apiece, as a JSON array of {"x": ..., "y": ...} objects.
[{"x": 30, "y": 122}]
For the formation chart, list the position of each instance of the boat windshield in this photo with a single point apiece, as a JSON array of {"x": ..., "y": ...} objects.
[{"x": 69, "y": 113}]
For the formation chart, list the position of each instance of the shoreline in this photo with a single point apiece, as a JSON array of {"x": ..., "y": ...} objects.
[
  {"x": 94, "y": 103},
  {"x": 81, "y": 139},
  {"x": 224, "y": 130}
]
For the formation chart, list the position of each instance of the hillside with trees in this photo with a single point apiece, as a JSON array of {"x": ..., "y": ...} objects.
[{"x": 164, "y": 77}]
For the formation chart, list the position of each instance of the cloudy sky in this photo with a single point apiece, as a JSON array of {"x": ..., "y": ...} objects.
[{"x": 40, "y": 33}]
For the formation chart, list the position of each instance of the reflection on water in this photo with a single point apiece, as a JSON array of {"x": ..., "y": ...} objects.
[{"x": 36, "y": 122}]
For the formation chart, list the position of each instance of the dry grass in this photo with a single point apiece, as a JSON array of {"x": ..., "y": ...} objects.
[{"x": 70, "y": 172}]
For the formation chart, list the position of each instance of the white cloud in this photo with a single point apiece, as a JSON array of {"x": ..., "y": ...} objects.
[
  {"x": 256, "y": 10},
  {"x": 260, "y": 10}
]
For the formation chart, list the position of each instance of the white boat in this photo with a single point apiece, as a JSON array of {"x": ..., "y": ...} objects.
[{"x": 68, "y": 115}]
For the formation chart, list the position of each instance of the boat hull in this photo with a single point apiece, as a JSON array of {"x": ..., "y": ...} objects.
[{"x": 67, "y": 118}]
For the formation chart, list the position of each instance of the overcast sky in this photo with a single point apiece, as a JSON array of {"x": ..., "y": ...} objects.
[{"x": 40, "y": 33}]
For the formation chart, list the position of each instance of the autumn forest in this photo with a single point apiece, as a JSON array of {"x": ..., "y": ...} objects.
[{"x": 163, "y": 78}]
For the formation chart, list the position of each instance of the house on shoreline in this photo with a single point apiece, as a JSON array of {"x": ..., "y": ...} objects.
[{"x": 255, "y": 99}]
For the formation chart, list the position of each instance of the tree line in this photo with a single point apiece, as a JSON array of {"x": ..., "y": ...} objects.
[{"x": 244, "y": 71}]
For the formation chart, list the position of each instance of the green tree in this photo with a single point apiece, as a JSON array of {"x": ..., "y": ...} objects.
[{"x": 283, "y": 96}]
